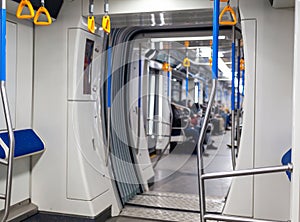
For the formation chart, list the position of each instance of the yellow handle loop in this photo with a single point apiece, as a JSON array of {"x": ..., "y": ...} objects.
[
  {"x": 210, "y": 61},
  {"x": 242, "y": 64},
  {"x": 166, "y": 67},
  {"x": 106, "y": 24},
  {"x": 228, "y": 9},
  {"x": 186, "y": 62},
  {"x": 91, "y": 24},
  {"x": 42, "y": 10},
  {"x": 21, "y": 6},
  {"x": 186, "y": 44}
]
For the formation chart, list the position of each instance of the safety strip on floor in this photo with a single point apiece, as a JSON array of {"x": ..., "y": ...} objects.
[
  {"x": 175, "y": 201},
  {"x": 159, "y": 214}
]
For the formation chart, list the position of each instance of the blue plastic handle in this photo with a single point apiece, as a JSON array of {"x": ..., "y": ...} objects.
[
  {"x": 3, "y": 45},
  {"x": 109, "y": 64},
  {"x": 233, "y": 78},
  {"x": 215, "y": 53},
  {"x": 238, "y": 86}
]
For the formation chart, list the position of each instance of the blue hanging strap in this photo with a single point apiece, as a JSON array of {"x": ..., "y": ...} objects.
[
  {"x": 233, "y": 78},
  {"x": 3, "y": 44},
  {"x": 215, "y": 54},
  {"x": 169, "y": 83},
  {"x": 187, "y": 87},
  {"x": 238, "y": 86},
  {"x": 109, "y": 64}
]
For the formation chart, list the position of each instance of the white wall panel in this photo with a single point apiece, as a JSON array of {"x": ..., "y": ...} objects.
[
  {"x": 240, "y": 199},
  {"x": 295, "y": 192},
  {"x": 273, "y": 107}
]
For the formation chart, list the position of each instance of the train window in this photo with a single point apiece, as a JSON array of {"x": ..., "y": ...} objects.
[
  {"x": 87, "y": 68},
  {"x": 153, "y": 99},
  {"x": 197, "y": 93},
  {"x": 176, "y": 90}
]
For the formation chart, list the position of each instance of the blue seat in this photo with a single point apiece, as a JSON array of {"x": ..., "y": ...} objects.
[
  {"x": 27, "y": 143},
  {"x": 286, "y": 159}
]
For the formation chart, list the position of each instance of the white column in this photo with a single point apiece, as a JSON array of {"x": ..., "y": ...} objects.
[{"x": 295, "y": 194}]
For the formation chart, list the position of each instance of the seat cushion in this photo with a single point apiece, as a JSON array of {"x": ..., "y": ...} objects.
[{"x": 27, "y": 142}]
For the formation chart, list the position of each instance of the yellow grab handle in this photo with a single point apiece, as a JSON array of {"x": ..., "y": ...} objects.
[
  {"x": 186, "y": 62},
  {"x": 106, "y": 24},
  {"x": 210, "y": 61},
  {"x": 186, "y": 44},
  {"x": 21, "y": 6},
  {"x": 91, "y": 24},
  {"x": 166, "y": 67},
  {"x": 228, "y": 9},
  {"x": 42, "y": 10},
  {"x": 242, "y": 64}
]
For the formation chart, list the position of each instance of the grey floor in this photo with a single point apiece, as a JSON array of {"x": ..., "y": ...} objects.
[
  {"x": 170, "y": 178},
  {"x": 177, "y": 173}
]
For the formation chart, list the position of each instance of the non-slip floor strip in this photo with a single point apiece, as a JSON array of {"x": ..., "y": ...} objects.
[
  {"x": 172, "y": 201},
  {"x": 159, "y": 214}
]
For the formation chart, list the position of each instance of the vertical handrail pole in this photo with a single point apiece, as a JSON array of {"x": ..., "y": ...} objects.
[
  {"x": 187, "y": 87},
  {"x": 109, "y": 73},
  {"x": 6, "y": 113},
  {"x": 215, "y": 71},
  {"x": 238, "y": 132},
  {"x": 199, "y": 91},
  {"x": 169, "y": 78},
  {"x": 139, "y": 99},
  {"x": 233, "y": 100}
]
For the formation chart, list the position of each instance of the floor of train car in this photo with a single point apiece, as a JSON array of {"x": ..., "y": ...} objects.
[{"x": 175, "y": 175}]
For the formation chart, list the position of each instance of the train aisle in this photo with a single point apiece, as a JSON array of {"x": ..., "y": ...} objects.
[{"x": 174, "y": 194}]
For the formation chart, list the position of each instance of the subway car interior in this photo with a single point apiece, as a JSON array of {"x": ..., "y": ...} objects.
[{"x": 123, "y": 110}]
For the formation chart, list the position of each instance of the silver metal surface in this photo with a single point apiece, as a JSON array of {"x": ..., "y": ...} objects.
[
  {"x": 180, "y": 202},
  {"x": 4, "y": 162},
  {"x": 233, "y": 156},
  {"x": 159, "y": 214},
  {"x": 108, "y": 137},
  {"x": 11, "y": 150},
  {"x": 235, "y": 218},
  {"x": 200, "y": 168},
  {"x": 255, "y": 171},
  {"x": 169, "y": 138},
  {"x": 171, "y": 194},
  {"x": 238, "y": 131},
  {"x": 139, "y": 108}
]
